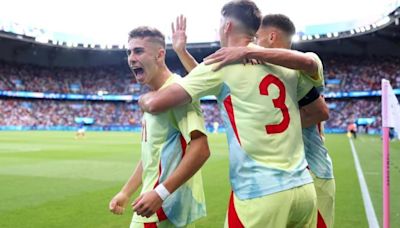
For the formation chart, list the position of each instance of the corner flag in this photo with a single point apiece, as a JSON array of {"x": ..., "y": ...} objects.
[
  {"x": 390, "y": 108},
  {"x": 390, "y": 118}
]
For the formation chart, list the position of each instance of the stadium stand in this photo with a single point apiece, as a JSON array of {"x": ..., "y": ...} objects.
[{"x": 343, "y": 74}]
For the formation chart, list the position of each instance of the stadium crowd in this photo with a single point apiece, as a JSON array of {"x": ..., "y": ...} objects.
[
  {"x": 45, "y": 113},
  {"x": 341, "y": 73},
  {"x": 23, "y": 77},
  {"x": 343, "y": 112},
  {"x": 346, "y": 74}
]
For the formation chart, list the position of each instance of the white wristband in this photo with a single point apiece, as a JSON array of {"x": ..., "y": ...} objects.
[{"x": 162, "y": 191}]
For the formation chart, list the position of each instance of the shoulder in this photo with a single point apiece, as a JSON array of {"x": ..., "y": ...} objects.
[
  {"x": 314, "y": 56},
  {"x": 202, "y": 69}
]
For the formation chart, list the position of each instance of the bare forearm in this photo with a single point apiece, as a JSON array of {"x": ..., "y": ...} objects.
[
  {"x": 164, "y": 99},
  {"x": 134, "y": 181},
  {"x": 187, "y": 60},
  {"x": 287, "y": 58},
  {"x": 306, "y": 121},
  {"x": 194, "y": 158},
  {"x": 310, "y": 118}
]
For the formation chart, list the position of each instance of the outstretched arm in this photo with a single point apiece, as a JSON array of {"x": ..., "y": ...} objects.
[
  {"x": 164, "y": 99},
  {"x": 197, "y": 154},
  {"x": 179, "y": 40},
  {"x": 283, "y": 57}
]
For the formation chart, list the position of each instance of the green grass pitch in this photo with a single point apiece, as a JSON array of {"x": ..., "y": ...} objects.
[{"x": 49, "y": 179}]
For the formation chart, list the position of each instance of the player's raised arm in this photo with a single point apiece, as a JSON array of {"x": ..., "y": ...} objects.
[
  {"x": 179, "y": 40},
  {"x": 119, "y": 201},
  {"x": 174, "y": 95}
]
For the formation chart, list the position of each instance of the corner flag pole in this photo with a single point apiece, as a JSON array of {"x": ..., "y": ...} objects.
[{"x": 385, "y": 155}]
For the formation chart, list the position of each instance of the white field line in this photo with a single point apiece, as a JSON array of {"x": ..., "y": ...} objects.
[{"x": 369, "y": 208}]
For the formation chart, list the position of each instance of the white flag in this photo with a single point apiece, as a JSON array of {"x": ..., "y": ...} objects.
[{"x": 391, "y": 108}]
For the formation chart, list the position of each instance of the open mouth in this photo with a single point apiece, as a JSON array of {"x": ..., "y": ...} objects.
[{"x": 138, "y": 71}]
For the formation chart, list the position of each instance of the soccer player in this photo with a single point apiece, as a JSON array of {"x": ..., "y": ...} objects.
[
  {"x": 271, "y": 186},
  {"x": 276, "y": 31},
  {"x": 352, "y": 130},
  {"x": 311, "y": 114},
  {"x": 215, "y": 126},
  {"x": 174, "y": 147},
  {"x": 80, "y": 133}
]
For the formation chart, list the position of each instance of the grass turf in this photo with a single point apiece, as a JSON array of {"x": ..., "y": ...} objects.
[{"x": 49, "y": 179}]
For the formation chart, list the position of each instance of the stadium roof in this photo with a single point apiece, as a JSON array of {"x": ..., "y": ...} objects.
[{"x": 106, "y": 23}]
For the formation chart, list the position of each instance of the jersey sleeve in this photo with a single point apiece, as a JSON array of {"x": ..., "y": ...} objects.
[
  {"x": 319, "y": 82},
  {"x": 304, "y": 85},
  {"x": 189, "y": 118},
  {"x": 202, "y": 81}
]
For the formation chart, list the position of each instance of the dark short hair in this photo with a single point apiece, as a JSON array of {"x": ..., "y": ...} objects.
[
  {"x": 246, "y": 12},
  {"x": 146, "y": 31},
  {"x": 279, "y": 21}
]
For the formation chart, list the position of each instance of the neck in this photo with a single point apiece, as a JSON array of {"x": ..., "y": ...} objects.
[
  {"x": 282, "y": 44},
  {"x": 162, "y": 76},
  {"x": 239, "y": 40}
]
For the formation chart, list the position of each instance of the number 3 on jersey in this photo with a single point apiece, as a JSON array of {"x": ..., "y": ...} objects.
[{"x": 278, "y": 102}]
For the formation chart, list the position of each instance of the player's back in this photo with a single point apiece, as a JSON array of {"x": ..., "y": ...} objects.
[
  {"x": 259, "y": 107},
  {"x": 264, "y": 106},
  {"x": 264, "y": 128}
]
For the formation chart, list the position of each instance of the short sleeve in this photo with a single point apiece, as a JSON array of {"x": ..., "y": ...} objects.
[
  {"x": 319, "y": 82},
  {"x": 189, "y": 118},
  {"x": 304, "y": 85},
  {"x": 202, "y": 81}
]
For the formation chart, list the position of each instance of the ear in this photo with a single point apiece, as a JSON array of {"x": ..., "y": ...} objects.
[
  {"x": 228, "y": 26},
  {"x": 161, "y": 54},
  {"x": 272, "y": 36}
]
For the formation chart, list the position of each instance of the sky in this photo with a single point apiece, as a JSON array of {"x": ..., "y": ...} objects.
[{"x": 110, "y": 21}]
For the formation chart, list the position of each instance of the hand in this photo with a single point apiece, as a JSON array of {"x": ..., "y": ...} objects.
[
  {"x": 179, "y": 34},
  {"x": 147, "y": 204},
  {"x": 226, "y": 56},
  {"x": 117, "y": 204},
  {"x": 144, "y": 100}
]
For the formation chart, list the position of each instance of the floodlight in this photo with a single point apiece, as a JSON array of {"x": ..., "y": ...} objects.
[
  {"x": 295, "y": 38},
  {"x": 383, "y": 21}
]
